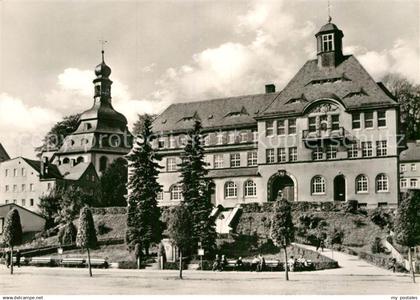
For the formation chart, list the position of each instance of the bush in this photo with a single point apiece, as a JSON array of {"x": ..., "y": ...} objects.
[
  {"x": 381, "y": 218},
  {"x": 376, "y": 246},
  {"x": 67, "y": 234},
  {"x": 351, "y": 206},
  {"x": 101, "y": 228}
]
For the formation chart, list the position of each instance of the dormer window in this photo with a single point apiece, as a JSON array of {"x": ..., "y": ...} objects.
[{"x": 328, "y": 42}]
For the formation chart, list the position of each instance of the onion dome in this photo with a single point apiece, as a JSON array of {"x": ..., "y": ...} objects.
[{"x": 102, "y": 70}]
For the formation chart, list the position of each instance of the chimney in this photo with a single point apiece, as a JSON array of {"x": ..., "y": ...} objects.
[{"x": 270, "y": 88}]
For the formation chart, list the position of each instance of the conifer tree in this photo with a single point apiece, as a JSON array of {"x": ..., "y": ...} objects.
[
  {"x": 143, "y": 221},
  {"x": 86, "y": 234},
  {"x": 283, "y": 228},
  {"x": 12, "y": 232},
  {"x": 196, "y": 190},
  {"x": 407, "y": 224}
]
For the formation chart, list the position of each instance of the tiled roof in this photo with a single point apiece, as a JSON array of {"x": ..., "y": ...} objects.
[
  {"x": 53, "y": 171},
  {"x": 3, "y": 154},
  {"x": 213, "y": 113},
  {"x": 234, "y": 172},
  {"x": 74, "y": 173},
  {"x": 412, "y": 153},
  {"x": 348, "y": 83}
]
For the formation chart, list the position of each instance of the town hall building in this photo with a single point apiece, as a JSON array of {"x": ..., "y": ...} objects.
[{"x": 329, "y": 135}]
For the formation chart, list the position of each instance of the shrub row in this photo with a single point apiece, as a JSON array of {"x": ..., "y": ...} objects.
[
  {"x": 115, "y": 210},
  {"x": 351, "y": 205},
  {"x": 379, "y": 261}
]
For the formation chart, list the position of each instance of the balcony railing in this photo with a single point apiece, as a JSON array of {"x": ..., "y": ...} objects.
[{"x": 341, "y": 135}]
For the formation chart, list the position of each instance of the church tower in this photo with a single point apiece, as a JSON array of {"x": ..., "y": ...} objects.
[
  {"x": 329, "y": 46},
  {"x": 102, "y": 134}
]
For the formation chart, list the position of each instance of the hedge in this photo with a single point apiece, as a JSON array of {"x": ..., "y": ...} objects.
[
  {"x": 379, "y": 261},
  {"x": 115, "y": 210}
]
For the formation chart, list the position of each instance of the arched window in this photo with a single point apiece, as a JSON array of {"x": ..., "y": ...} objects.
[
  {"x": 66, "y": 160},
  {"x": 361, "y": 184},
  {"x": 382, "y": 183},
  {"x": 103, "y": 163},
  {"x": 318, "y": 185},
  {"x": 250, "y": 188},
  {"x": 80, "y": 159},
  {"x": 231, "y": 190},
  {"x": 176, "y": 192},
  {"x": 88, "y": 126}
]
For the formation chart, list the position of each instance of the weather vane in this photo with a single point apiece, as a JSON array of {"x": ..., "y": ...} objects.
[
  {"x": 329, "y": 12},
  {"x": 103, "y": 42}
]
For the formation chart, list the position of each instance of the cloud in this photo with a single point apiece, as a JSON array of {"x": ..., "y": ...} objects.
[
  {"x": 235, "y": 68},
  {"x": 22, "y": 127},
  {"x": 403, "y": 58}
]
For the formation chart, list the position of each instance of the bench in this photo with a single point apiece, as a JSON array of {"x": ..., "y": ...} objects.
[
  {"x": 73, "y": 262},
  {"x": 98, "y": 263},
  {"x": 41, "y": 261},
  {"x": 272, "y": 264}
]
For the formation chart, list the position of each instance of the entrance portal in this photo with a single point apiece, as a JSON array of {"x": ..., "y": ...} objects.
[
  {"x": 340, "y": 188},
  {"x": 283, "y": 183}
]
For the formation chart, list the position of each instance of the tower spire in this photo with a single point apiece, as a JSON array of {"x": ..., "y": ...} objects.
[
  {"x": 103, "y": 42},
  {"x": 329, "y": 12}
]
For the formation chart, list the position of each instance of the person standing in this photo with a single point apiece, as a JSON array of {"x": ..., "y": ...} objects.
[
  {"x": 18, "y": 258},
  {"x": 8, "y": 259}
]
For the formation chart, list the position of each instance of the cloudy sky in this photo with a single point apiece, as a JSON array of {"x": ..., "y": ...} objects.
[{"x": 163, "y": 52}]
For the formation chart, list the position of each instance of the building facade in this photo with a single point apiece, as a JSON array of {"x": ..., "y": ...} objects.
[
  {"x": 329, "y": 135},
  {"x": 24, "y": 181},
  {"x": 410, "y": 167}
]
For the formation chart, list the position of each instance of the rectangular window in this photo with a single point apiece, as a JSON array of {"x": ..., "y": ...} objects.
[
  {"x": 6, "y": 188},
  {"x": 23, "y": 202},
  {"x": 381, "y": 118},
  {"x": 269, "y": 153},
  {"x": 403, "y": 168},
  {"x": 235, "y": 160},
  {"x": 14, "y": 201},
  {"x": 231, "y": 137},
  {"x": 403, "y": 183},
  {"x": 381, "y": 148},
  {"x": 355, "y": 120},
  {"x": 244, "y": 137},
  {"x": 23, "y": 172},
  {"x": 31, "y": 202},
  {"x": 23, "y": 187},
  {"x": 353, "y": 151},
  {"x": 281, "y": 128},
  {"x": 327, "y": 42},
  {"x": 6, "y": 172},
  {"x": 14, "y": 172},
  {"x": 281, "y": 155},
  {"x": 252, "y": 159},
  {"x": 7, "y": 201},
  {"x": 218, "y": 161},
  {"x": 367, "y": 149},
  {"x": 413, "y": 167},
  {"x": 335, "y": 122},
  {"x": 331, "y": 152},
  {"x": 159, "y": 196},
  {"x": 293, "y": 154},
  {"x": 312, "y": 124},
  {"x": 413, "y": 183},
  {"x": 291, "y": 126},
  {"x": 14, "y": 188},
  {"x": 161, "y": 143},
  {"x": 369, "y": 119},
  {"x": 171, "y": 164},
  {"x": 269, "y": 128},
  {"x": 317, "y": 154},
  {"x": 220, "y": 138},
  {"x": 254, "y": 135},
  {"x": 172, "y": 142},
  {"x": 49, "y": 186},
  {"x": 31, "y": 187}
]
